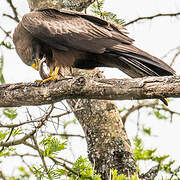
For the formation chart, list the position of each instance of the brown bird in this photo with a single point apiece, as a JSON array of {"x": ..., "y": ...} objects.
[{"x": 71, "y": 39}]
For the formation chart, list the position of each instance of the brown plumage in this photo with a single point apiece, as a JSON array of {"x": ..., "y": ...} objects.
[{"x": 72, "y": 39}]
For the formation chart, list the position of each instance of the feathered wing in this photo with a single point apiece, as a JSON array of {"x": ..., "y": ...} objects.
[{"x": 64, "y": 30}]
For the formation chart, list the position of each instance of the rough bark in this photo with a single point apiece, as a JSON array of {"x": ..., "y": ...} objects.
[
  {"x": 77, "y": 5},
  {"x": 108, "y": 146},
  {"x": 26, "y": 94}
]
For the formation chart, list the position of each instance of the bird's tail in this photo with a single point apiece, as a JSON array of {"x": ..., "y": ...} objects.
[{"x": 137, "y": 63}]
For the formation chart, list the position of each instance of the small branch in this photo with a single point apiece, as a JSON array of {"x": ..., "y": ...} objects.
[
  {"x": 65, "y": 166},
  {"x": 174, "y": 58},
  {"x": 14, "y": 11},
  {"x": 26, "y": 94},
  {"x": 152, "y": 17},
  {"x": 60, "y": 115},
  {"x": 2, "y": 176},
  {"x": 18, "y": 141},
  {"x": 67, "y": 135},
  {"x": 40, "y": 154},
  {"x": 16, "y": 125},
  {"x": 151, "y": 174},
  {"x": 137, "y": 107},
  {"x": 6, "y": 32},
  {"x": 23, "y": 139},
  {"x": 7, "y": 139}
]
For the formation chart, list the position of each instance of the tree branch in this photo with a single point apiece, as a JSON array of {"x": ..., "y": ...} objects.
[
  {"x": 26, "y": 94},
  {"x": 14, "y": 12},
  {"x": 152, "y": 17}
]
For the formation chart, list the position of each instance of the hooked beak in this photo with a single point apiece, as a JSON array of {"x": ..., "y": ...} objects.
[{"x": 36, "y": 64}]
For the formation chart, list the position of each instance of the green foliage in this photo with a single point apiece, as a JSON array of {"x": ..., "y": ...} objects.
[
  {"x": 115, "y": 176},
  {"x": 7, "y": 45},
  {"x": 52, "y": 145},
  {"x": 3, "y": 134},
  {"x": 139, "y": 152},
  {"x": 147, "y": 130},
  {"x": 97, "y": 9},
  {"x": 122, "y": 110},
  {"x": 84, "y": 168},
  {"x": 67, "y": 123},
  {"x": 24, "y": 173},
  {"x": 6, "y": 151},
  {"x": 2, "y": 80},
  {"x": 147, "y": 154},
  {"x": 17, "y": 131},
  {"x": 38, "y": 172},
  {"x": 159, "y": 115},
  {"x": 10, "y": 113}
]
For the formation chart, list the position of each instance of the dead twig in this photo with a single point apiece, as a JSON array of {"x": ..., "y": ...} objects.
[{"x": 152, "y": 17}]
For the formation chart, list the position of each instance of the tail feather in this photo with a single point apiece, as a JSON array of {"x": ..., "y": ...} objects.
[
  {"x": 139, "y": 65},
  {"x": 137, "y": 57}
]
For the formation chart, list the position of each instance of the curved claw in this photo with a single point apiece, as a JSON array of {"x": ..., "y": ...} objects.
[
  {"x": 36, "y": 64},
  {"x": 47, "y": 77},
  {"x": 41, "y": 70}
]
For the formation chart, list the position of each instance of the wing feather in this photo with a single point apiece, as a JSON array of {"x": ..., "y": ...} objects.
[{"x": 59, "y": 29}]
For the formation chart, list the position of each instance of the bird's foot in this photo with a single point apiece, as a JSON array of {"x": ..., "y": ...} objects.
[{"x": 53, "y": 75}]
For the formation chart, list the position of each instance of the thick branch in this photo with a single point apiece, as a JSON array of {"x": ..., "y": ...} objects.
[
  {"x": 25, "y": 94},
  {"x": 77, "y": 5},
  {"x": 152, "y": 17}
]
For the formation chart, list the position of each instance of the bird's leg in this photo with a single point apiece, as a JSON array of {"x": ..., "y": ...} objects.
[{"x": 53, "y": 74}]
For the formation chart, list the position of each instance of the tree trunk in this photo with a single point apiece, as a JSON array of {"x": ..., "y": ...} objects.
[{"x": 108, "y": 145}]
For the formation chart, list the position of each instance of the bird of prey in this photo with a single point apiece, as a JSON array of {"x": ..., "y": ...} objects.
[{"x": 73, "y": 39}]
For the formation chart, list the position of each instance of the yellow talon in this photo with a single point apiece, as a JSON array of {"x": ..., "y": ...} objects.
[
  {"x": 36, "y": 64},
  {"x": 52, "y": 75}
]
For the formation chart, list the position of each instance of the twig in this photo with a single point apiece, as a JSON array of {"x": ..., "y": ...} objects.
[
  {"x": 6, "y": 32},
  {"x": 40, "y": 154},
  {"x": 14, "y": 11},
  {"x": 35, "y": 155},
  {"x": 2, "y": 175},
  {"x": 152, "y": 17},
  {"x": 151, "y": 174},
  {"x": 16, "y": 125},
  {"x": 7, "y": 139},
  {"x": 137, "y": 107},
  {"x": 65, "y": 166},
  {"x": 23, "y": 139},
  {"x": 174, "y": 58},
  {"x": 60, "y": 115},
  {"x": 67, "y": 135}
]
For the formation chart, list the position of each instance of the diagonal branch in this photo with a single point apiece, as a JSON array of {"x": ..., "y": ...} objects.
[
  {"x": 26, "y": 94},
  {"x": 152, "y": 17},
  {"x": 14, "y": 12}
]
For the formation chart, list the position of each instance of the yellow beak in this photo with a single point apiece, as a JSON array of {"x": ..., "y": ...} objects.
[{"x": 36, "y": 64}]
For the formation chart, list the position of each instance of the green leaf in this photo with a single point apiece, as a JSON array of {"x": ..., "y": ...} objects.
[
  {"x": 10, "y": 113},
  {"x": 6, "y": 44},
  {"x": 74, "y": 121},
  {"x": 3, "y": 135},
  {"x": 2, "y": 80},
  {"x": 83, "y": 167},
  {"x": 17, "y": 131},
  {"x": 147, "y": 130},
  {"x": 52, "y": 145},
  {"x": 139, "y": 152},
  {"x": 159, "y": 115},
  {"x": 97, "y": 10}
]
